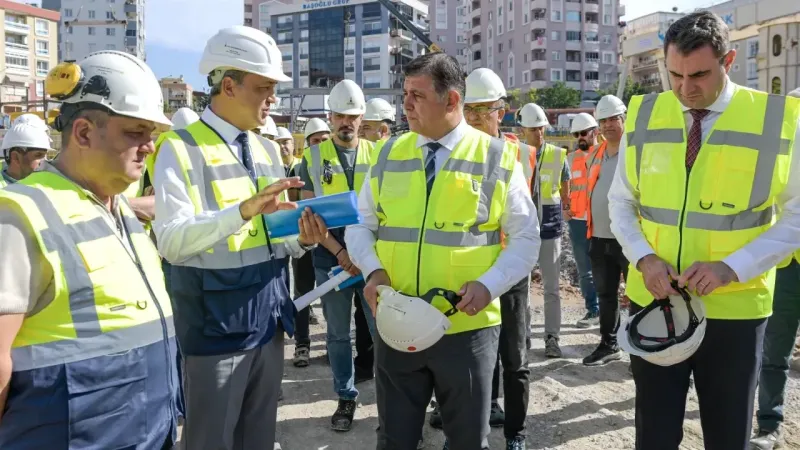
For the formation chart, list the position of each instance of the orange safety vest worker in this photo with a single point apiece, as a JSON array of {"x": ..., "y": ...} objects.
[
  {"x": 578, "y": 198},
  {"x": 593, "y": 163},
  {"x": 525, "y": 155}
]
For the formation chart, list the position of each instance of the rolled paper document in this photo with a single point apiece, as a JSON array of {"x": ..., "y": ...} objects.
[{"x": 321, "y": 290}]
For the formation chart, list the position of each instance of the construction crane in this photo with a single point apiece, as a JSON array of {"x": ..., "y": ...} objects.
[{"x": 410, "y": 26}]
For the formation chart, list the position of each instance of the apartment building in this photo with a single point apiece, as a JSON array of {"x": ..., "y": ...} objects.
[
  {"x": 534, "y": 43},
  {"x": 323, "y": 42},
  {"x": 257, "y": 13},
  {"x": 91, "y": 25},
  {"x": 29, "y": 42},
  {"x": 765, "y": 33},
  {"x": 177, "y": 93}
]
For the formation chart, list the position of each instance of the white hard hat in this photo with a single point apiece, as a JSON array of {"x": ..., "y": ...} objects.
[
  {"x": 408, "y": 324},
  {"x": 483, "y": 85},
  {"x": 27, "y": 133},
  {"x": 532, "y": 116},
  {"x": 242, "y": 48},
  {"x": 379, "y": 109},
  {"x": 183, "y": 118},
  {"x": 269, "y": 127},
  {"x": 315, "y": 125},
  {"x": 609, "y": 106},
  {"x": 582, "y": 121},
  {"x": 282, "y": 133},
  {"x": 794, "y": 93},
  {"x": 347, "y": 98},
  {"x": 117, "y": 81},
  {"x": 666, "y": 332}
]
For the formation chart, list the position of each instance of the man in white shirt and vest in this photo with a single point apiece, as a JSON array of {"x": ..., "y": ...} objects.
[
  {"x": 432, "y": 212},
  {"x": 707, "y": 195},
  {"x": 214, "y": 181}
]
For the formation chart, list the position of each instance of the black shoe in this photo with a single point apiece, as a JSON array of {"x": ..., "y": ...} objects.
[
  {"x": 518, "y": 443},
  {"x": 436, "y": 418},
  {"x": 528, "y": 343},
  {"x": 497, "y": 417},
  {"x": 446, "y": 445},
  {"x": 603, "y": 354},
  {"x": 342, "y": 419},
  {"x": 362, "y": 375}
]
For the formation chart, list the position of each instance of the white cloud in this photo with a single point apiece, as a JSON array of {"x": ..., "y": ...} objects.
[{"x": 187, "y": 24}]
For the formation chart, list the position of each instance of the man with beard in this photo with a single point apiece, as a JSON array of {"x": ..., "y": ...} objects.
[
  {"x": 608, "y": 263},
  {"x": 331, "y": 167},
  {"x": 584, "y": 129}
]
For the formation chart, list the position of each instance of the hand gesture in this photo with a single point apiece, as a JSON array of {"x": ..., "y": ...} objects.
[
  {"x": 267, "y": 201},
  {"x": 312, "y": 228}
]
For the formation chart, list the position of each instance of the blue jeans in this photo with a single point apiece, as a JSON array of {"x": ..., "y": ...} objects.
[
  {"x": 779, "y": 341},
  {"x": 580, "y": 248},
  {"x": 179, "y": 402},
  {"x": 337, "y": 307}
]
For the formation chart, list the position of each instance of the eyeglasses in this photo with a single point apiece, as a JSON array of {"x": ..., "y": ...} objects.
[
  {"x": 481, "y": 110},
  {"x": 582, "y": 133}
]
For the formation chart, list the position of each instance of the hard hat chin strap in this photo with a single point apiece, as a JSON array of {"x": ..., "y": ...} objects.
[
  {"x": 660, "y": 343},
  {"x": 452, "y": 297}
]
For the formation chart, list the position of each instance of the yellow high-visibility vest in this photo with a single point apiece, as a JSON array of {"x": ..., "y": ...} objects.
[
  {"x": 323, "y": 156},
  {"x": 217, "y": 180},
  {"x": 106, "y": 300},
  {"x": 453, "y": 239},
  {"x": 550, "y": 166},
  {"x": 727, "y": 200}
]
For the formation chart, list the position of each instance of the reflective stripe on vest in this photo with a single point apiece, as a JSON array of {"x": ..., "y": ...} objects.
[
  {"x": 578, "y": 183},
  {"x": 217, "y": 180},
  {"x": 101, "y": 304},
  {"x": 453, "y": 239},
  {"x": 326, "y": 152},
  {"x": 549, "y": 176},
  {"x": 729, "y": 198}
]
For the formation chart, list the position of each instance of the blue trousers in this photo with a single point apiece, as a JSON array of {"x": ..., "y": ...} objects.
[{"x": 580, "y": 248}]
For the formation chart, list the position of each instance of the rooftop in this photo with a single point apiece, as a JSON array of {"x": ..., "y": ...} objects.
[{"x": 21, "y": 8}]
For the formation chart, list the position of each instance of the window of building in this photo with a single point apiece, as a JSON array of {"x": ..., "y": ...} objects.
[
  {"x": 500, "y": 29},
  {"x": 752, "y": 48},
  {"x": 500, "y": 11},
  {"x": 109, "y": 15},
  {"x": 591, "y": 36},
  {"x": 555, "y": 35},
  {"x": 573, "y": 36},
  {"x": 500, "y": 47},
  {"x": 573, "y": 16},
  {"x": 441, "y": 38},
  {"x": 592, "y": 56},
  {"x": 372, "y": 63},
  {"x": 776, "y": 85},
  {"x": 511, "y": 81},
  {"x": 39, "y": 88},
  {"x": 525, "y": 57},
  {"x": 573, "y": 56},
  {"x": 460, "y": 39},
  {"x": 91, "y": 14},
  {"x": 510, "y": 44},
  {"x": 91, "y": 31},
  {"x": 67, "y": 12},
  {"x": 606, "y": 19},
  {"x": 777, "y": 45},
  {"x": 606, "y": 38},
  {"x": 606, "y": 78},
  {"x": 526, "y": 77},
  {"x": 752, "y": 70},
  {"x": 491, "y": 34},
  {"x": 69, "y": 30},
  {"x": 42, "y": 48},
  {"x": 608, "y": 57},
  {"x": 490, "y": 15},
  {"x": 592, "y": 75},
  {"x": 510, "y": 24},
  {"x": 42, "y": 27},
  {"x": 68, "y": 47},
  {"x": 111, "y": 31},
  {"x": 556, "y": 55},
  {"x": 42, "y": 67},
  {"x": 555, "y": 10},
  {"x": 525, "y": 19},
  {"x": 510, "y": 61},
  {"x": 527, "y": 38},
  {"x": 17, "y": 61},
  {"x": 556, "y": 75}
]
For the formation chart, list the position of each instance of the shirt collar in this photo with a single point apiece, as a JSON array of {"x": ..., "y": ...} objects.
[
  {"x": 9, "y": 179},
  {"x": 450, "y": 140},
  {"x": 723, "y": 100},
  {"x": 227, "y": 132}
]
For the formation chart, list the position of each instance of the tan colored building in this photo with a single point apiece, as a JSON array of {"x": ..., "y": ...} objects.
[
  {"x": 768, "y": 55},
  {"x": 177, "y": 93},
  {"x": 30, "y": 48}
]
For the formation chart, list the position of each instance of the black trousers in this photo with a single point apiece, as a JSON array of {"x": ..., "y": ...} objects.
[
  {"x": 608, "y": 267},
  {"x": 513, "y": 354},
  {"x": 365, "y": 350},
  {"x": 725, "y": 370},
  {"x": 304, "y": 281}
]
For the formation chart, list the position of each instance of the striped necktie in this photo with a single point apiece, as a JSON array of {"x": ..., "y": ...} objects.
[{"x": 430, "y": 164}]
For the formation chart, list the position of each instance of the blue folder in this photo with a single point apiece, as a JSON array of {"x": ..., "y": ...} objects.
[{"x": 337, "y": 210}]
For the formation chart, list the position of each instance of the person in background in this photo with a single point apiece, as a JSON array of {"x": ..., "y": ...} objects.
[
  {"x": 421, "y": 193},
  {"x": 285, "y": 142},
  {"x": 25, "y": 146},
  {"x": 378, "y": 120},
  {"x": 608, "y": 263},
  {"x": 715, "y": 225},
  {"x": 584, "y": 129},
  {"x": 269, "y": 130},
  {"x": 779, "y": 339},
  {"x": 549, "y": 191},
  {"x": 316, "y": 132}
]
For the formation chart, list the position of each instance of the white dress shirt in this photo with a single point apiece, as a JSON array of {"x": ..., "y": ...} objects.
[
  {"x": 519, "y": 223},
  {"x": 180, "y": 232},
  {"x": 750, "y": 261}
]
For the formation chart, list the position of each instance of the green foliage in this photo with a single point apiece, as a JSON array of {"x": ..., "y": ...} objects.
[
  {"x": 559, "y": 95},
  {"x": 200, "y": 102},
  {"x": 631, "y": 89}
]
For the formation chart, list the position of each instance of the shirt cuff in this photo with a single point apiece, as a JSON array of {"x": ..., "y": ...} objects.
[
  {"x": 493, "y": 280},
  {"x": 370, "y": 264},
  {"x": 739, "y": 263},
  {"x": 639, "y": 250}
]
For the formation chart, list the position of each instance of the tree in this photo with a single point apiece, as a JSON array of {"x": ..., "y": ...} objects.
[
  {"x": 559, "y": 95},
  {"x": 631, "y": 89},
  {"x": 513, "y": 98},
  {"x": 200, "y": 101}
]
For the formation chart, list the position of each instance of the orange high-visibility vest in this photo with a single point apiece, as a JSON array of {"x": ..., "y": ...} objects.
[
  {"x": 594, "y": 161},
  {"x": 528, "y": 167},
  {"x": 578, "y": 184}
]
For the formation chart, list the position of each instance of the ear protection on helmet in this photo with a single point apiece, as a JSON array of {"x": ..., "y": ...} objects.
[{"x": 64, "y": 80}]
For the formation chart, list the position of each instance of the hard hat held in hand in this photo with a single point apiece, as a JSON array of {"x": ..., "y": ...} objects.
[
  {"x": 409, "y": 324},
  {"x": 110, "y": 80},
  {"x": 532, "y": 116},
  {"x": 315, "y": 125},
  {"x": 582, "y": 121},
  {"x": 483, "y": 85},
  {"x": 609, "y": 106},
  {"x": 666, "y": 332},
  {"x": 242, "y": 48},
  {"x": 183, "y": 118},
  {"x": 347, "y": 98},
  {"x": 378, "y": 110}
]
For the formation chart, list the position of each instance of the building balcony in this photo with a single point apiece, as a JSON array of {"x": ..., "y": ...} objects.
[
  {"x": 401, "y": 34},
  {"x": 573, "y": 65},
  {"x": 591, "y": 7},
  {"x": 21, "y": 48},
  {"x": 645, "y": 65},
  {"x": 574, "y": 85},
  {"x": 540, "y": 84},
  {"x": 372, "y": 85},
  {"x": 304, "y": 23},
  {"x": 592, "y": 66},
  {"x": 304, "y": 73},
  {"x": 303, "y": 55},
  {"x": 129, "y": 8},
  {"x": 539, "y": 43},
  {"x": 539, "y": 64},
  {"x": 621, "y": 10},
  {"x": 591, "y": 85},
  {"x": 573, "y": 45},
  {"x": 350, "y": 69},
  {"x": 539, "y": 4},
  {"x": 16, "y": 27},
  {"x": 18, "y": 70},
  {"x": 130, "y": 41},
  {"x": 287, "y": 40},
  {"x": 285, "y": 26},
  {"x": 371, "y": 67},
  {"x": 572, "y": 6},
  {"x": 371, "y": 50},
  {"x": 402, "y": 50},
  {"x": 591, "y": 45},
  {"x": 649, "y": 82},
  {"x": 287, "y": 57},
  {"x": 591, "y": 27},
  {"x": 539, "y": 24},
  {"x": 349, "y": 51}
]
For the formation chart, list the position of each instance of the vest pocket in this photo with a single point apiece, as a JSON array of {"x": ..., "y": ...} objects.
[
  {"x": 107, "y": 401},
  {"x": 229, "y": 301}
]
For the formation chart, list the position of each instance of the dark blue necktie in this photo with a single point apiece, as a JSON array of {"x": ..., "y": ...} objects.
[
  {"x": 247, "y": 159},
  {"x": 430, "y": 164}
]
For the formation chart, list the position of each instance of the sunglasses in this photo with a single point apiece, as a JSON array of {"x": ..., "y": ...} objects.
[{"x": 582, "y": 133}]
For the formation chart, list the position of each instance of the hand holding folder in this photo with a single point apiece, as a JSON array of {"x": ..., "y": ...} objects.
[{"x": 337, "y": 210}]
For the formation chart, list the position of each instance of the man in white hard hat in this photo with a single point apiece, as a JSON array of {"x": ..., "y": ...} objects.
[
  {"x": 584, "y": 129},
  {"x": 214, "y": 182},
  {"x": 550, "y": 190},
  {"x": 25, "y": 146},
  {"x": 608, "y": 263},
  {"x": 87, "y": 348},
  {"x": 779, "y": 341},
  {"x": 433, "y": 211},
  {"x": 285, "y": 142},
  {"x": 706, "y": 194},
  {"x": 316, "y": 132},
  {"x": 484, "y": 108},
  {"x": 378, "y": 120},
  {"x": 331, "y": 167},
  {"x": 269, "y": 130}
]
